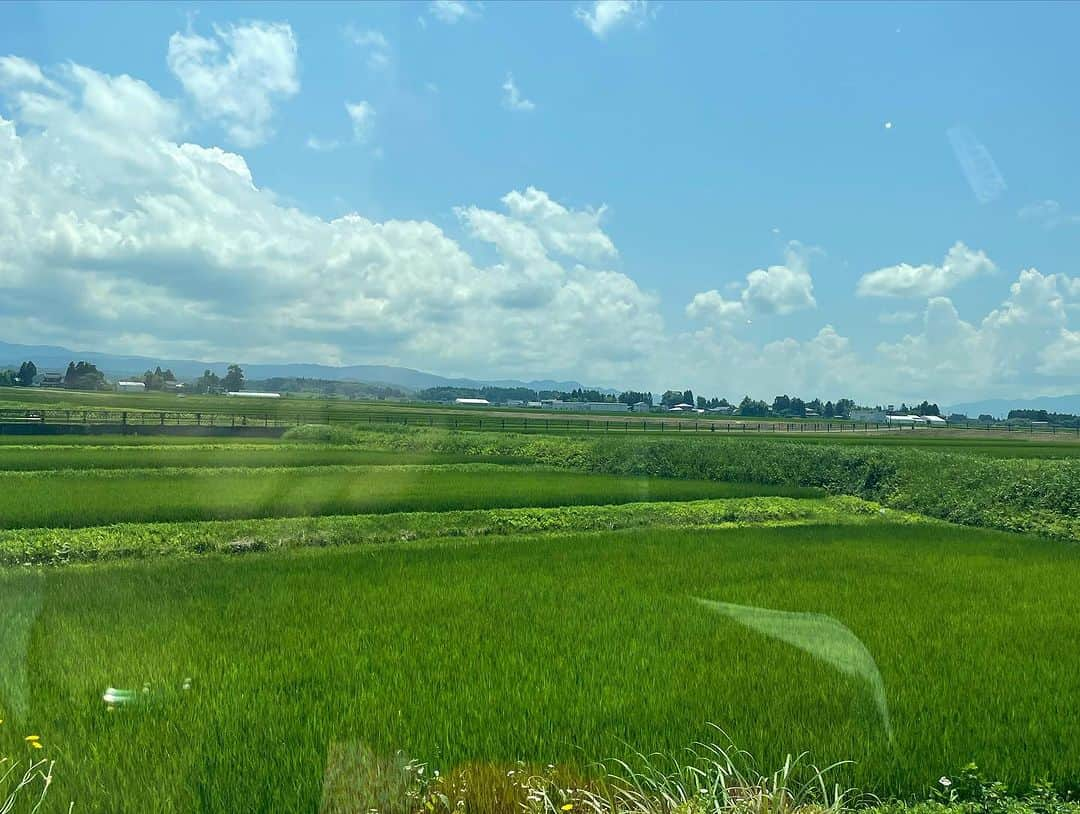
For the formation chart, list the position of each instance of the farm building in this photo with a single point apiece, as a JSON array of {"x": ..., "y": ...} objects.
[
  {"x": 904, "y": 420},
  {"x": 641, "y": 407},
  {"x": 473, "y": 402},
  {"x": 515, "y": 403},
  {"x": 130, "y": 387},
  {"x": 934, "y": 420},
  {"x": 534, "y": 404},
  {"x": 585, "y": 406},
  {"x": 868, "y": 416},
  {"x": 252, "y": 394},
  {"x": 50, "y": 378}
]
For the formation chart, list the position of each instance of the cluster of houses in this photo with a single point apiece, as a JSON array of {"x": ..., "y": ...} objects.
[
  {"x": 860, "y": 416},
  {"x": 595, "y": 406}
]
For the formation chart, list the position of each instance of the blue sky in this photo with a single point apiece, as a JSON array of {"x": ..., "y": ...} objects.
[{"x": 660, "y": 152}]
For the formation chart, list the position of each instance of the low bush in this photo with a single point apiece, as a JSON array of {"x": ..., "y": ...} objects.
[{"x": 1041, "y": 496}]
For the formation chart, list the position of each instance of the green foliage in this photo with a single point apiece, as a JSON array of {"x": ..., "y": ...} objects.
[
  {"x": 83, "y": 376},
  {"x": 156, "y": 379},
  {"x": 971, "y": 487},
  {"x": 26, "y": 374},
  {"x": 97, "y": 497},
  {"x": 234, "y": 379},
  {"x": 55, "y": 546}
]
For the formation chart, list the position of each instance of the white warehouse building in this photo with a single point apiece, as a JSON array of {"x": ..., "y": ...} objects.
[
  {"x": 585, "y": 406},
  {"x": 130, "y": 387}
]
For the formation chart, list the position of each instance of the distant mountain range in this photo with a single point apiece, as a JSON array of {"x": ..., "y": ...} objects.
[
  {"x": 113, "y": 366},
  {"x": 999, "y": 408}
]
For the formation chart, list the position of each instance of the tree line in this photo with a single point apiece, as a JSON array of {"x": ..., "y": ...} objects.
[{"x": 78, "y": 376}]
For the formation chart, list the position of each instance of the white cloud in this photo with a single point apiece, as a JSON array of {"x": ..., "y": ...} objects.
[
  {"x": 512, "y": 98},
  {"x": 780, "y": 290},
  {"x": 1027, "y": 334},
  {"x": 238, "y": 75},
  {"x": 712, "y": 306},
  {"x": 898, "y": 317},
  {"x": 1048, "y": 213},
  {"x": 18, "y": 71},
  {"x": 362, "y": 116},
  {"x": 1062, "y": 356},
  {"x": 374, "y": 43},
  {"x": 452, "y": 11},
  {"x": 904, "y": 280},
  {"x": 165, "y": 247},
  {"x": 322, "y": 145},
  {"x": 603, "y": 16},
  {"x": 575, "y": 233}
]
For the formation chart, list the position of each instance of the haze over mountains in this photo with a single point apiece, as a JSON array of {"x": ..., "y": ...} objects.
[
  {"x": 999, "y": 408},
  {"x": 51, "y": 356}
]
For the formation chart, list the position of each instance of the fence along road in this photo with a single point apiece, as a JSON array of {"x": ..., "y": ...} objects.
[{"x": 22, "y": 421}]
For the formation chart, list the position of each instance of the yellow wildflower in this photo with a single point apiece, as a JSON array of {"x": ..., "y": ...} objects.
[{"x": 568, "y": 806}]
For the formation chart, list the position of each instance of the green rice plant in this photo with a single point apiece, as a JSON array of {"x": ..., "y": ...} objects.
[
  {"x": 821, "y": 636},
  {"x": 58, "y": 546},
  {"x": 19, "y": 607},
  {"x": 99, "y": 497},
  {"x": 560, "y": 648},
  {"x": 215, "y": 456}
]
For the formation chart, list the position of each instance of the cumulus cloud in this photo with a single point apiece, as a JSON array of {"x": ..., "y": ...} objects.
[
  {"x": 166, "y": 247},
  {"x": 452, "y": 11},
  {"x": 160, "y": 246},
  {"x": 780, "y": 290},
  {"x": 1027, "y": 333},
  {"x": 604, "y": 16},
  {"x": 512, "y": 97},
  {"x": 18, "y": 71},
  {"x": 236, "y": 76},
  {"x": 904, "y": 280},
  {"x": 362, "y": 116}
]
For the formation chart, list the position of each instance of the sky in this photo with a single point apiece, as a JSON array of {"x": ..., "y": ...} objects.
[{"x": 876, "y": 201}]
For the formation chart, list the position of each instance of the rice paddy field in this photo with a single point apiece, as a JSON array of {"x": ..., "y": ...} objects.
[{"x": 274, "y": 608}]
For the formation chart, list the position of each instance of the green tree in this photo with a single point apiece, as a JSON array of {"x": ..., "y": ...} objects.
[
  {"x": 208, "y": 382},
  {"x": 234, "y": 379},
  {"x": 84, "y": 376},
  {"x": 26, "y": 374}
]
